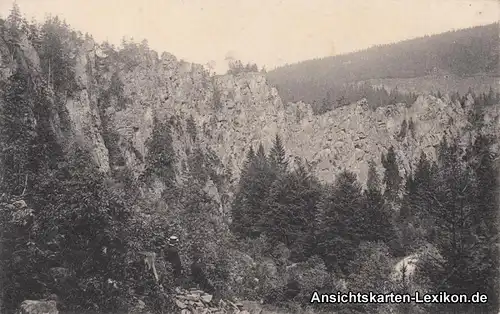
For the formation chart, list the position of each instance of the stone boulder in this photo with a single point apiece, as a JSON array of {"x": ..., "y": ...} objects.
[
  {"x": 20, "y": 204},
  {"x": 194, "y": 301},
  {"x": 38, "y": 307}
]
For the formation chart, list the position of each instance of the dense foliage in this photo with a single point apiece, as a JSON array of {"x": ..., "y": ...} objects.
[
  {"x": 449, "y": 205},
  {"x": 237, "y": 67}
]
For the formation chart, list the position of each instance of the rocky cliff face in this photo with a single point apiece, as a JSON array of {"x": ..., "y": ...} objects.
[{"x": 230, "y": 114}]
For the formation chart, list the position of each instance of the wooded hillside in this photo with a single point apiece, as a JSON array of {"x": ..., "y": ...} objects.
[{"x": 461, "y": 53}]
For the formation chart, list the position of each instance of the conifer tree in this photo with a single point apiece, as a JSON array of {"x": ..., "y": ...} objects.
[
  {"x": 414, "y": 222},
  {"x": 483, "y": 164},
  {"x": 392, "y": 178},
  {"x": 240, "y": 219},
  {"x": 250, "y": 203},
  {"x": 248, "y": 161},
  {"x": 418, "y": 185},
  {"x": 485, "y": 216},
  {"x": 17, "y": 125},
  {"x": 339, "y": 209},
  {"x": 475, "y": 116},
  {"x": 490, "y": 97},
  {"x": 462, "y": 214},
  {"x": 405, "y": 211},
  {"x": 373, "y": 180},
  {"x": 55, "y": 58},
  {"x": 160, "y": 160},
  {"x": 16, "y": 22},
  {"x": 277, "y": 156},
  {"x": 411, "y": 127},
  {"x": 376, "y": 221},
  {"x": 403, "y": 131},
  {"x": 261, "y": 155},
  {"x": 291, "y": 212},
  {"x": 191, "y": 128}
]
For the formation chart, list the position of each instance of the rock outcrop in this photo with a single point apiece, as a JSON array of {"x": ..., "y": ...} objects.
[
  {"x": 230, "y": 113},
  {"x": 195, "y": 301},
  {"x": 38, "y": 307}
]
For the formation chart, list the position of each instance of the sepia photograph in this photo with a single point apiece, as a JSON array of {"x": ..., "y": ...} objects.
[{"x": 249, "y": 157}]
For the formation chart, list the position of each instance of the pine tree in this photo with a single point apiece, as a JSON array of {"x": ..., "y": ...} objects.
[
  {"x": 461, "y": 206},
  {"x": 191, "y": 128},
  {"x": 373, "y": 180},
  {"x": 423, "y": 173},
  {"x": 483, "y": 165},
  {"x": 491, "y": 97},
  {"x": 392, "y": 178},
  {"x": 403, "y": 130},
  {"x": 393, "y": 96},
  {"x": 240, "y": 219},
  {"x": 250, "y": 158},
  {"x": 338, "y": 209},
  {"x": 405, "y": 211},
  {"x": 411, "y": 127},
  {"x": 34, "y": 34},
  {"x": 291, "y": 211},
  {"x": 160, "y": 160},
  {"x": 485, "y": 215},
  {"x": 198, "y": 173},
  {"x": 277, "y": 156},
  {"x": 15, "y": 21},
  {"x": 261, "y": 155},
  {"x": 376, "y": 221},
  {"x": 250, "y": 203},
  {"x": 413, "y": 213},
  {"x": 17, "y": 124},
  {"x": 55, "y": 58}
]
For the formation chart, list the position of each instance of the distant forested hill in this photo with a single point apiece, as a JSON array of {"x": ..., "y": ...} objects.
[{"x": 454, "y": 55}]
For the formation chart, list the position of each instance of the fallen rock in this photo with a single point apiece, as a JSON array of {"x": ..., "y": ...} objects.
[
  {"x": 20, "y": 204},
  {"x": 207, "y": 298},
  {"x": 193, "y": 297},
  {"x": 38, "y": 307},
  {"x": 140, "y": 305},
  {"x": 195, "y": 301},
  {"x": 180, "y": 304}
]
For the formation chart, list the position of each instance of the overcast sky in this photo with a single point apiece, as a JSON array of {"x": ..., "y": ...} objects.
[{"x": 267, "y": 32}]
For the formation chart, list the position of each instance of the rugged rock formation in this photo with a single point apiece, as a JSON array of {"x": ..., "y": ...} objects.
[
  {"x": 38, "y": 307},
  {"x": 230, "y": 114},
  {"x": 199, "y": 302}
]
